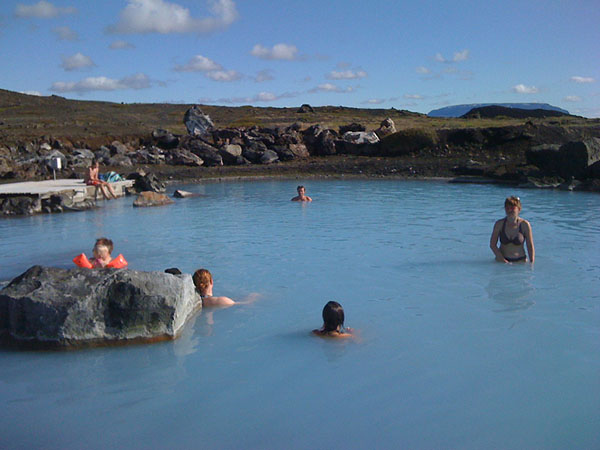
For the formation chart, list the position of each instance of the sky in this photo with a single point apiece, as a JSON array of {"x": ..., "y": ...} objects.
[{"x": 413, "y": 55}]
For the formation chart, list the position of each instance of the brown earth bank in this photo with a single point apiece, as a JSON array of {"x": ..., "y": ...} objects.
[{"x": 291, "y": 142}]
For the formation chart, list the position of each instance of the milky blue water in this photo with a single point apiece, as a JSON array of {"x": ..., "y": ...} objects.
[{"x": 453, "y": 351}]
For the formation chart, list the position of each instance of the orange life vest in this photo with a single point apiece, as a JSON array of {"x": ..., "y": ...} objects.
[{"x": 117, "y": 263}]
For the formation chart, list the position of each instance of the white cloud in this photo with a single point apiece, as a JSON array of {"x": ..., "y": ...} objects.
[
  {"x": 461, "y": 56},
  {"x": 374, "y": 101},
  {"x": 36, "y": 93},
  {"x": 224, "y": 75},
  {"x": 199, "y": 63},
  {"x": 346, "y": 75},
  {"x": 137, "y": 81},
  {"x": 278, "y": 51},
  {"x": 522, "y": 89},
  {"x": 572, "y": 98},
  {"x": 65, "y": 34},
  {"x": 42, "y": 10},
  {"x": 264, "y": 75},
  {"x": 458, "y": 57},
  {"x": 583, "y": 79},
  {"x": 329, "y": 87},
  {"x": 422, "y": 70},
  {"x": 413, "y": 97},
  {"x": 76, "y": 61},
  {"x": 440, "y": 58},
  {"x": 159, "y": 16},
  {"x": 261, "y": 97},
  {"x": 118, "y": 45}
]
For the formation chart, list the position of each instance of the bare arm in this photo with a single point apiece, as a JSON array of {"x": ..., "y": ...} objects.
[
  {"x": 530, "y": 246},
  {"x": 494, "y": 243}
]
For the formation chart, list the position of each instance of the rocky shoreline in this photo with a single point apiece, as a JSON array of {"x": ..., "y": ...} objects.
[{"x": 542, "y": 154}]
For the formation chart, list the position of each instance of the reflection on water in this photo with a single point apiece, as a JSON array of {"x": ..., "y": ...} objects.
[
  {"x": 511, "y": 287},
  {"x": 411, "y": 265}
]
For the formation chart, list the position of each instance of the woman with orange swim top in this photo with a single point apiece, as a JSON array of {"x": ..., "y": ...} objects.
[
  {"x": 92, "y": 178},
  {"x": 512, "y": 232}
]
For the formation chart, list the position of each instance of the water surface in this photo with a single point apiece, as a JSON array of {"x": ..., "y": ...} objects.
[{"x": 454, "y": 350}]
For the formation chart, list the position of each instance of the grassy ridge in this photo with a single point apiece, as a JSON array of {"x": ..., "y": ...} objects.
[{"x": 26, "y": 117}]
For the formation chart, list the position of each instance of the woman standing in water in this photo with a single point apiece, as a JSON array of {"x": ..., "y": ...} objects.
[{"x": 513, "y": 232}]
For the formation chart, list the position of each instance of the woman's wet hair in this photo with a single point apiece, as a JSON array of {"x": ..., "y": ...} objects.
[
  {"x": 513, "y": 201},
  {"x": 105, "y": 242},
  {"x": 202, "y": 279},
  {"x": 333, "y": 316}
]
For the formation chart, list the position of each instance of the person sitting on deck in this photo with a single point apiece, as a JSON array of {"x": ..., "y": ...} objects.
[{"x": 92, "y": 179}]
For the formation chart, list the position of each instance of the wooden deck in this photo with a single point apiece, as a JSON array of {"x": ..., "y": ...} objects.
[{"x": 44, "y": 189}]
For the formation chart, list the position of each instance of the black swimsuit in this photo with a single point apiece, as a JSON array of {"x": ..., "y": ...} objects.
[{"x": 519, "y": 239}]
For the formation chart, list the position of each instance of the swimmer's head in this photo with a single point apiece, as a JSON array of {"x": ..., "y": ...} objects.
[
  {"x": 333, "y": 316},
  {"x": 103, "y": 242},
  {"x": 202, "y": 280},
  {"x": 101, "y": 251},
  {"x": 512, "y": 202},
  {"x": 301, "y": 189}
]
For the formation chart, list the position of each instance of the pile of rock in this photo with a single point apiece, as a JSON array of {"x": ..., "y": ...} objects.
[{"x": 66, "y": 307}]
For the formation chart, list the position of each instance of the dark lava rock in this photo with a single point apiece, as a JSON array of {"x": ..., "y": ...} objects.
[
  {"x": 146, "y": 182},
  {"x": 69, "y": 307},
  {"x": 351, "y": 127},
  {"x": 165, "y": 139},
  {"x": 206, "y": 152},
  {"x": 305, "y": 108},
  {"x": 573, "y": 159},
  {"x": 181, "y": 157},
  {"x": 20, "y": 206}
]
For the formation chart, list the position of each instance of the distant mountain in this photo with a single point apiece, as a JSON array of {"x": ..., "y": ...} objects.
[
  {"x": 461, "y": 110},
  {"x": 489, "y": 112}
]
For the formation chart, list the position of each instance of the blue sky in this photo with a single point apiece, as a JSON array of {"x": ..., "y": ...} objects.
[{"x": 415, "y": 55}]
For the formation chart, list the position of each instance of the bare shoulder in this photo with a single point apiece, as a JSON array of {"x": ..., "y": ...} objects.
[
  {"x": 331, "y": 334},
  {"x": 217, "y": 302}
]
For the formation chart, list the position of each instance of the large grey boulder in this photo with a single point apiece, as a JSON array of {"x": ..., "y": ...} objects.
[
  {"x": 573, "y": 159},
  {"x": 196, "y": 122},
  {"x": 69, "y": 307}
]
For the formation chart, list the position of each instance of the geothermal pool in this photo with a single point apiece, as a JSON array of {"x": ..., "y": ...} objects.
[{"x": 453, "y": 350}]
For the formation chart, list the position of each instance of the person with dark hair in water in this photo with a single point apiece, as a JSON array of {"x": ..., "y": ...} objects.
[
  {"x": 301, "y": 197},
  {"x": 333, "y": 322},
  {"x": 512, "y": 232}
]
